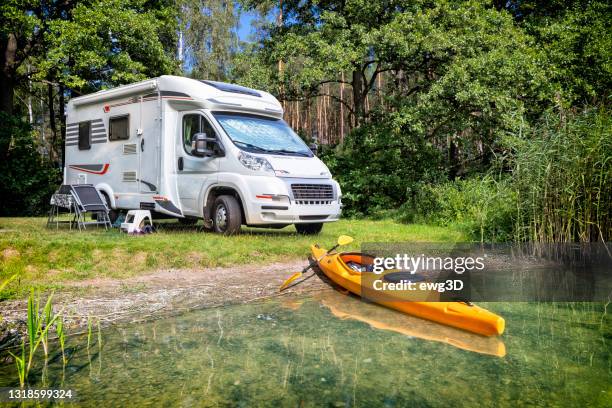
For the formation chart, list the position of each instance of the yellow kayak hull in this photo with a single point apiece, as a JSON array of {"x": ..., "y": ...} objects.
[{"x": 456, "y": 314}]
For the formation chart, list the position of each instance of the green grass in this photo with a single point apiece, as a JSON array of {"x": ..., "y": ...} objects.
[{"x": 46, "y": 258}]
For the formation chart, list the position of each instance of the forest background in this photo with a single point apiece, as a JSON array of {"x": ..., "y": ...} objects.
[{"x": 493, "y": 116}]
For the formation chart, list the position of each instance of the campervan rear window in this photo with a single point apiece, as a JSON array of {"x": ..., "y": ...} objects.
[
  {"x": 119, "y": 128},
  {"x": 85, "y": 135}
]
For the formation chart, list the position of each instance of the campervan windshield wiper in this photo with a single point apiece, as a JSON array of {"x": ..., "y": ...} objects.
[
  {"x": 285, "y": 151},
  {"x": 251, "y": 146}
]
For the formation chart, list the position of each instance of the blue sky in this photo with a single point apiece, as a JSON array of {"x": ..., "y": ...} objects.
[{"x": 244, "y": 30}]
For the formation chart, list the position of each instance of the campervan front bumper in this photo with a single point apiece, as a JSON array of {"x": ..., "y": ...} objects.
[{"x": 292, "y": 201}]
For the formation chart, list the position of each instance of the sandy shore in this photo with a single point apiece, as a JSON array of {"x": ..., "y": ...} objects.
[{"x": 159, "y": 294}]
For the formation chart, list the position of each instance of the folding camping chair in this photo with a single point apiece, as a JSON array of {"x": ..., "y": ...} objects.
[{"x": 78, "y": 201}]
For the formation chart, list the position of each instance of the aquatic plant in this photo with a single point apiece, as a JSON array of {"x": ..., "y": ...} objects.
[
  {"x": 20, "y": 364},
  {"x": 90, "y": 323},
  {"x": 88, "y": 333},
  {"x": 38, "y": 325},
  {"x": 61, "y": 336},
  {"x": 562, "y": 177},
  {"x": 99, "y": 337}
]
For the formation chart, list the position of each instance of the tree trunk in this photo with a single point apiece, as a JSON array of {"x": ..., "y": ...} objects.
[
  {"x": 8, "y": 54},
  {"x": 179, "y": 47},
  {"x": 453, "y": 158},
  {"x": 358, "y": 99}
]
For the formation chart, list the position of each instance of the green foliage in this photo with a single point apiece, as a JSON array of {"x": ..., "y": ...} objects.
[
  {"x": 251, "y": 69},
  {"x": 211, "y": 39},
  {"x": 380, "y": 168},
  {"x": 61, "y": 336},
  {"x": 575, "y": 42},
  {"x": 474, "y": 73},
  {"x": 483, "y": 207},
  {"x": 110, "y": 42},
  {"x": 28, "y": 179},
  {"x": 20, "y": 364},
  {"x": 74, "y": 48},
  {"x": 563, "y": 177}
]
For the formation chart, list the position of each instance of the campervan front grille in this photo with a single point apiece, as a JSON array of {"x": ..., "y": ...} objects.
[{"x": 312, "y": 194}]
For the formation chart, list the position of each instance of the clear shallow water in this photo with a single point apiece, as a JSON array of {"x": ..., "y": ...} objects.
[{"x": 334, "y": 350}]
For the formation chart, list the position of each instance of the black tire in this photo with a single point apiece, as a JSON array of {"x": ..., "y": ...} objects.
[
  {"x": 309, "y": 229},
  {"x": 188, "y": 221},
  {"x": 112, "y": 214},
  {"x": 226, "y": 216}
]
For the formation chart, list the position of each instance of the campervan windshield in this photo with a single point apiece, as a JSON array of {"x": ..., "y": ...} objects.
[{"x": 259, "y": 134}]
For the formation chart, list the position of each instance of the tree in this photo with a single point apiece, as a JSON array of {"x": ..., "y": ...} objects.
[
  {"x": 210, "y": 37},
  {"x": 28, "y": 179},
  {"x": 23, "y": 27},
  {"x": 320, "y": 39},
  {"x": 110, "y": 42},
  {"x": 74, "y": 48}
]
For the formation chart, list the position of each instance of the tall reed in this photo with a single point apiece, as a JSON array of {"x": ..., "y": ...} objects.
[
  {"x": 38, "y": 325},
  {"x": 563, "y": 178}
]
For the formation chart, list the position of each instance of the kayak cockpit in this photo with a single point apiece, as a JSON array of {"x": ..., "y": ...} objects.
[{"x": 356, "y": 263}]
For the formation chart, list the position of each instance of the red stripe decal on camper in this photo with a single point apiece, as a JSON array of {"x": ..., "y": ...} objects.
[{"x": 91, "y": 168}]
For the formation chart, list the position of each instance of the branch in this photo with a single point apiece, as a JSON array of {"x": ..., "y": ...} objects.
[
  {"x": 370, "y": 83},
  {"x": 330, "y": 81}
]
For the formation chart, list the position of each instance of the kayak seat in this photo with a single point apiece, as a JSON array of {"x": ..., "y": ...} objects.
[
  {"x": 358, "y": 267},
  {"x": 358, "y": 262}
]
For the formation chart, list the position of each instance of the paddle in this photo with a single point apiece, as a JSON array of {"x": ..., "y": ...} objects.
[{"x": 342, "y": 240}]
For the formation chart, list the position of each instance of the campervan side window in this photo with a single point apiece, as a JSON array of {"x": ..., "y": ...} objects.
[
  {"x": 119, "y": 128},
  {"x": 85, "y": 135},
  {"x": 196, "y": 123}
]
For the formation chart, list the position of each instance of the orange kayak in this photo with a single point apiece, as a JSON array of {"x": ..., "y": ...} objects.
[{"x": 456, "y": 314}]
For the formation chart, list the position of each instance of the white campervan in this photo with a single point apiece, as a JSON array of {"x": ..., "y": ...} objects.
[{"x": 195, "y": 149}]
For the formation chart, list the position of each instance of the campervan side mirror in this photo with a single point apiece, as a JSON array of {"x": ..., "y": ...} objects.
[
  {"x": 198, "y": 141},
  {"x": 313, "y": 147}
]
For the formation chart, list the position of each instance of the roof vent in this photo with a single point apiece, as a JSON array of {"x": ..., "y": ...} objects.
[{"x": 225, "y": 87}]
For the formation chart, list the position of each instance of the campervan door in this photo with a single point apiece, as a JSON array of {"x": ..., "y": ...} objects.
[{"x": 148, "y": 137}]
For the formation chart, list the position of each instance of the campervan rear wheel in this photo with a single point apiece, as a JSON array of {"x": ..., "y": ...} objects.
[
  {"x": 227, "y": 217},
  {"x": 309, "y": 229}
]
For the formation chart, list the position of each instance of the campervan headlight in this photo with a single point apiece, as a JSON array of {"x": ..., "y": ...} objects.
[{"x": 254, "y": 163}]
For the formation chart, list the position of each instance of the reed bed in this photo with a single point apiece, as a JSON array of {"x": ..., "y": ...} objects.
[{"x": 563, "y": 178}]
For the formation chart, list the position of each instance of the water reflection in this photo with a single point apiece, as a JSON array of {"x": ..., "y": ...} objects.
[{"x": 349, "y": 307}]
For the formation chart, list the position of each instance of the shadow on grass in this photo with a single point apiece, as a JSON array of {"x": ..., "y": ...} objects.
[{"x": 168, "y": 226}]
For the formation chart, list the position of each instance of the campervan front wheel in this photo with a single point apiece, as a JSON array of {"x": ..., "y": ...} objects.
[{"x": 227, "y": 217}]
